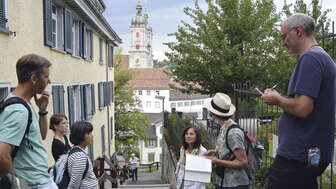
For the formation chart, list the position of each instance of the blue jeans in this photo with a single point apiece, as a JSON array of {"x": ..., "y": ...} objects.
[
  {"x": 236, "y": 187},
  {"x": 134, "y": 173}
]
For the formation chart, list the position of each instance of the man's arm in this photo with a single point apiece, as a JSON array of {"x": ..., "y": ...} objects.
[
  {"x": 5, "y": 158},
  {"x": 240, "y": 160},
  {"x": 301, "y": 105},
  {"x": 43, "y": 121}
]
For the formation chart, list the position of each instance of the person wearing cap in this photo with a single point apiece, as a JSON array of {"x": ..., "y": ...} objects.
[
  {"x": 230, "y": 166},
  {"x": 134, "y": 162}
]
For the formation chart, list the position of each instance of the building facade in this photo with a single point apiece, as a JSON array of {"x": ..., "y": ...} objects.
[{"x": 75, "y": 37}]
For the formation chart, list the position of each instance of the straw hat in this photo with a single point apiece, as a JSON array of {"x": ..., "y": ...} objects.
[{"x": 221, "y": 105}]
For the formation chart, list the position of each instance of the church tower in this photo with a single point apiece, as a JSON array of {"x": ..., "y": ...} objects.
[{"x": 141, "y": 41}]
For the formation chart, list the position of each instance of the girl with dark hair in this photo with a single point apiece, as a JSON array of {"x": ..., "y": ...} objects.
[
  {"x": 80, "y": 168},
  {"x": 60, "y": 145},
  {"x": 191, "y": 144}
]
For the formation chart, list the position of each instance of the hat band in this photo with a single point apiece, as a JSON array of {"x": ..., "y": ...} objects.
[{"x": 219, "y": 108}]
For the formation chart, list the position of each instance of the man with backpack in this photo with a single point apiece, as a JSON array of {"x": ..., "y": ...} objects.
[
  {"x": 22, "y": 129},
  {"x": 229, "y": 157}
]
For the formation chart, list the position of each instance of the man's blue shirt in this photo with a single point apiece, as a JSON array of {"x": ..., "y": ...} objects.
[{"x": 313, "y": 76}]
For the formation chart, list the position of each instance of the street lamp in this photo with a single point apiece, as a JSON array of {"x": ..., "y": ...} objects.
[{"x": 161, "y": 98}]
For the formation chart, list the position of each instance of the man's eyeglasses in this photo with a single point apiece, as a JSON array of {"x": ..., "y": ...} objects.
[{"x": 284, "y": 35}]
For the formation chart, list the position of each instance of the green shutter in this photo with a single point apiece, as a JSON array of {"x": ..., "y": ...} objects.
[
  {"x": 81, "y": 53},
  {"x": 71, "y": 105},
  {"x": 83, "y": 104},
  {"x": 67, "y": 30},
  {"x": 100, "y": 100},
  {"x": 47, "y": 6},
  {"x": 61, "y": 99},
  {"x": 2, "y": 14},
  {"x": 55, "y": 99},
  {"x": 93, "y": 99}
]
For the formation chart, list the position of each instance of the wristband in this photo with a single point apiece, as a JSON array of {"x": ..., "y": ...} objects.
[{"x": 43, "y": 113}]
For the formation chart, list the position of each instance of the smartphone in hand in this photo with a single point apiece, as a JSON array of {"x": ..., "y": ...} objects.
[{"x": 259, "y": 91}]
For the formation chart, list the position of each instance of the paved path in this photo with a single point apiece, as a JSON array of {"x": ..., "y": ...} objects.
[{"x": 147, "y": 180}]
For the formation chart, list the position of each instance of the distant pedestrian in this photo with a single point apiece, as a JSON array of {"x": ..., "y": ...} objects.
[
  {"x": 60, "y": 144},
  {"x": 191, "y": 144},
  {"x": 80, "y": 168},
  {"x": 306, "y": 128},
  {"x": 133, "y": 166},
  {"x": 30, "y": 162}
]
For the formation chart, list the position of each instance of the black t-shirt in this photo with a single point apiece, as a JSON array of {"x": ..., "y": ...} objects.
[{"x": 59, "y": 148}]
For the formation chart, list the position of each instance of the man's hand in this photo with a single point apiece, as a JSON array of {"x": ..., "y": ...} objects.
[
  {"x": 5, "y": 158},
  {"x": 271, "y": 97},
  {"x": 209, "y": 153},
  {"x": 213, "y": 159},
  {"x": 43, "y": 101}
]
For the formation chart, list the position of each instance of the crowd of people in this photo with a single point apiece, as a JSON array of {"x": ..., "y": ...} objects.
[{"x": 306, "y": 125}]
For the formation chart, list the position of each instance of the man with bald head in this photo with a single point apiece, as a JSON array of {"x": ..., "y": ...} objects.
[{"x": 309, "y": 109}]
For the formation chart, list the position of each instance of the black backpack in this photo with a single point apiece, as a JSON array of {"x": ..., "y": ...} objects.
[
  {"x": 63, "y": 184},
  {"x": 5, "y": 181}
]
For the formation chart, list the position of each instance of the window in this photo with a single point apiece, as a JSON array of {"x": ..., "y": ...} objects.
[
  {"x": 58, "y": 99},
  {"x": 157, "y": 104},
  {"x": 88, "y": 52},
  {"x": 3, "y": 14},
  {"x": 199, "y": 102},
  {"x": 110, "y": 56},
  {"x": 193, "y": 103},
  {"x": 140, "y": 92},
  {"x": 4, "y": 90},
  {"x": 91, "y": 152},
  {"x": 105, "y": 92},
  {"x": 75, "y": 104},
  {"x": 88, "y": 100},
  {"x": 173, "y": 104},
  {"x": 179, "y": 104},
  {"x": 75, "y": 34},
  {"x": 151, "y": 143},
  {"x": 160, "y": 144},
  {"x": 186, "y": 103},
  {"x": 102, "y": 133},
  {"x": 101, "y": 45},
  {"x": 148, "y": 92},
  {"x": 54, "y": 24},
  {"x": 148, "y": 104},
  {"x": 151, "y": 157},
  {"x": 158, "y": 93},
  {"x": 140, "y": 105}
]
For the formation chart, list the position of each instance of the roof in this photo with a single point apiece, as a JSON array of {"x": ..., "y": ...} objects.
[
  {"x": 154, "y": 117},
  {"x": 178, "y": 95},
  {"x": 151, "y": 132},
  {"x": 149, "y": 78}
]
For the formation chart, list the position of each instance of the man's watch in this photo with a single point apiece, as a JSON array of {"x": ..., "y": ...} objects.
[{"x": 44, "y": 113}]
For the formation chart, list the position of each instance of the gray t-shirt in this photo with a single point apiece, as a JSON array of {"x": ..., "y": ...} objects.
[{"x": 236, "y": 139}]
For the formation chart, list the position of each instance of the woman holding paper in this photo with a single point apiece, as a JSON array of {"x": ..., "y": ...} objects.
[
  {"x": 191, "y": 144},
  {"x": 230, "y": 173}
]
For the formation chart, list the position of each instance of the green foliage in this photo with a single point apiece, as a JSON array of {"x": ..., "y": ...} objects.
[
  {"x": 130, "y": 123},
  {"x": 233, "y": 41}
]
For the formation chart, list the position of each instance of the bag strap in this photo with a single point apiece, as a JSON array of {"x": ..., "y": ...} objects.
[
  {"x": 74, "y": 150},
  {"x": 227, "y": 133},
  {"x": 17, "y": 100}
]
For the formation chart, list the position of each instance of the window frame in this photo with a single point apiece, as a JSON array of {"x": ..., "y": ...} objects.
[
  {"x": 5, "y": 85},
  {"x": 61, "y": 110}
]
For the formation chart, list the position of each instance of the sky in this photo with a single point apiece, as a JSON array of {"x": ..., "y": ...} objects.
[{"x": 164, "y": 16}]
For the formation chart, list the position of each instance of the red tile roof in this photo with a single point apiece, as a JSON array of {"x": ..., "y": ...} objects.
[{"x": 150, "y": 78}]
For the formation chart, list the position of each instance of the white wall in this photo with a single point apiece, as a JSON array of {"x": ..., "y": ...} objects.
[
  {"x": 144, "y": 151},
  {"x": 155, "y": 104}
]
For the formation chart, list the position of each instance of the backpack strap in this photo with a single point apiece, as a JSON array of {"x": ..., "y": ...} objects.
[
  {"x": 17, "y": 100},
  {"x": 227, "y": 133},
  {"x": 74, "y": 150}
]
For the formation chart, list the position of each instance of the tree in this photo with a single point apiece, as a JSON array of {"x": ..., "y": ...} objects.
[
  {"x": 233, "y": 41},
  {"x": 314, "y": 9},
  {"x": 129, "y": 122}
]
